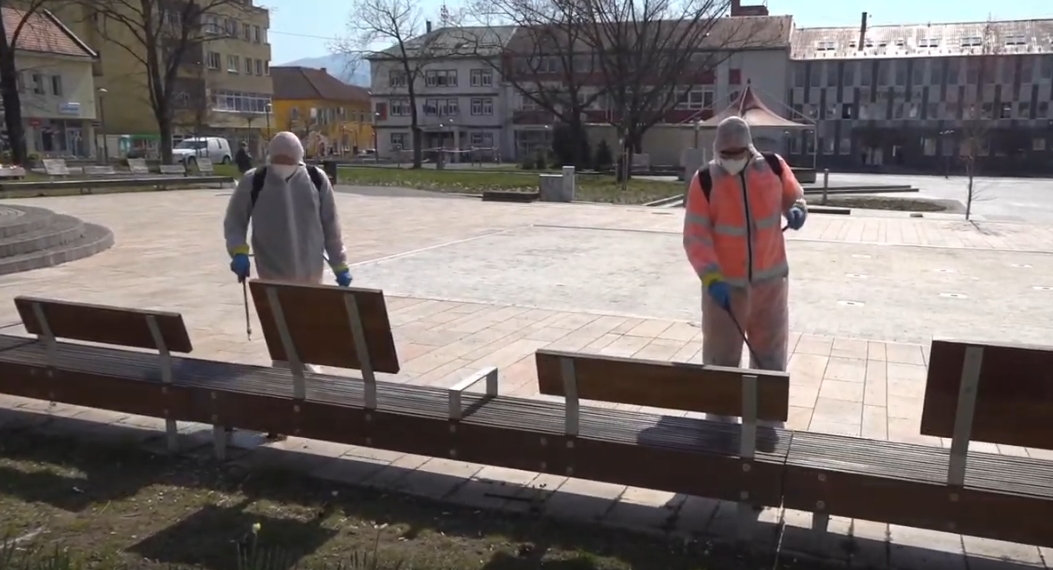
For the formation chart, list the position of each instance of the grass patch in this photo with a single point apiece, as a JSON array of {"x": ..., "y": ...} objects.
[
  {"x": 885, "y": 203},
  {"x": 590, "y": 187},
  {"x": 111, "y": 506}
]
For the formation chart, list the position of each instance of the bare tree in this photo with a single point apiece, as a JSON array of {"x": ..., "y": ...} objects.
[
  {"x": 392, "y": 36},
  {"x": 978, "y": 117},
  {"x": 541, "y": 49},
  {"x": 652, "y": 52},
  {"x": 163, "y": 36},
  {"x": 30, "y": 15}
]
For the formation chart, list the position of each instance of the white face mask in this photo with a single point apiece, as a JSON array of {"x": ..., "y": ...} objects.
[
  {"x": 284, "y": 171},
  {"x": 733, "y": 165}
]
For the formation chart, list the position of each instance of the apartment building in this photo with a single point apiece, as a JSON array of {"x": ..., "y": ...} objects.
[
  {"x": 330, "y": 116},
  {"x": 55, "y": 84},
  {"x": 461, "y": 99},
  {"x": 223, "y": 89},
  {"x": 917, "y": 97}
]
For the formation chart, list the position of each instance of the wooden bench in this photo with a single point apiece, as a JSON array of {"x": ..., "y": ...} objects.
[
  {"x": 99, "y": 170},
  {"x": 203, "y": 164},
  {"x": 51, "y": 320},
  {"x": 993, "y": 393},
  {"x": 138, "y": 166},
  {"x": 172, "y": 169},
  {"x": 739, "y": 464},
  {"x": 55, "y": 167}
]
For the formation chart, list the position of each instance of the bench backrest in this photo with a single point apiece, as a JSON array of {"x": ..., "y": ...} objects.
[
  {"x": 55, "y": 167},
  {"x": 103, "y": 324},
  {"x": 99, "y": 170},
  {"x": 320, "y": 325},
  {"x": 172, "y": 169},
  {"x": 1013, "y": 398},
  {"x": 204, "y": 165},
  {"x": 138, "y": 166},
  {"x": 659, "y": 384}
]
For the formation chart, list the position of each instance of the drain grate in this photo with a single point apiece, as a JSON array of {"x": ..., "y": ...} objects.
[
  {"x": 954, "y": 295},
  {"x": 851, "y": 303}
]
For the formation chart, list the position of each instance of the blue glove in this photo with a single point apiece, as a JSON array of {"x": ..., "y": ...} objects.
[
  {"x": 240, "y": 266},
  {"x": 343, "y": 278},
  {"x": 795, "y": 218},
  {"x": 721, "y": 293}
]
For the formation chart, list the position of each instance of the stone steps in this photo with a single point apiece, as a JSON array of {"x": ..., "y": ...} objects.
[{"x": 34, "y": 238}]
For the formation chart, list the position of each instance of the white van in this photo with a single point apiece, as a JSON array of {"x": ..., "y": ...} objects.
[{"x": 218, "y": 149}]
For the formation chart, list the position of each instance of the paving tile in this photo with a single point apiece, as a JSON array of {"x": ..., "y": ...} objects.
[
  {"x": 904, "y": 354},
  {"x": 814, "y": 345},
  {"x": 494, "y": 488},
  {"x": 838, "y": 411},
  {"x": 798, "y": 537},
  {"x": 353, "y": 468},
  {"x": 537, "y": 492},
  {"x": 764, "y": 522},
  {"x": 438, "y": 477},
  {"x": 645, "y": 509},
  {"x": 819, "y": 425},
  {"x": 392, "y": 475},
  {"x": 803, "y": 395},
  {"x": 846, "y": 369},
  {"x": 875, "y": 391},
  {"x": 807, "y": 368},
  {"x": 987, "y": 554},
  {"x": 849, "y": 348},
  {"x": 696, "y": 514},
  {"x": 918, "y": 549},
  {"x": 840, "y": 390},
  {"x": 875, "y": 423},
  {"x": 876, "y": 350},
  {"x": 582, "y": 499}
]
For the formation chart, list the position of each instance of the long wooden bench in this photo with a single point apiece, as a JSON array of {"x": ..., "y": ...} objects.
[
  {"x": 739, "y": 464},
  {"x": 993, "y": 393},
  {"x": 51, "y": 320}
]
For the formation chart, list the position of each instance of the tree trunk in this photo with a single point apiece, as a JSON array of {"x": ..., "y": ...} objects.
[
  {"x": 164, "y": 129},
  {"x": 418, "y": 144},
  {"x": 16, "y": 132}
]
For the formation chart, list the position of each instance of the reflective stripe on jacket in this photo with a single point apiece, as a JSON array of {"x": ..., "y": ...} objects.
[{"x": 736, "y": 235}]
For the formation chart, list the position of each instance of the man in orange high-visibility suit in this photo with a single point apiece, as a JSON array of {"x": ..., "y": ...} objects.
[{"x": 733, "y": 239}]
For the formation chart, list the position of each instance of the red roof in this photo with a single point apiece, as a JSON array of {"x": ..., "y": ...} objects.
[
  {"x": 754, "y": 112},
  {"x": 305, "y": 83},
  {"x": 42, "y": 32}
]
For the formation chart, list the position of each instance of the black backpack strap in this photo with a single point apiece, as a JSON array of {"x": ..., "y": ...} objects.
[
  {"x": 773, "y": 162},
  {"x": 705, "y": 180},
  {"x": 316, "y": 177},
  {"x": 258, "y": 179}
]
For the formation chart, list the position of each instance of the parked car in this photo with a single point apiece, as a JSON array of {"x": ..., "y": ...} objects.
[{"x": 215, "y": 148}]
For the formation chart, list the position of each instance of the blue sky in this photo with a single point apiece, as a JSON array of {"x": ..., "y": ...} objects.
[{"x": 304, "y": 28}]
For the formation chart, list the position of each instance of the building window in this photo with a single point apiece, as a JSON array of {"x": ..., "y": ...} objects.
[
  {"x": 1006, "y": 112},
  {"x": 238, "y": 102},
  {"x": 918, "y": 72},
  {"x": 248, "y": 66},
  {"x": 831, "y": 74},
  {"x": 845, "y": 145},
  {"x": 1008, "y": 69},
  {"x": 696, "y": 99},
  {"x": 259, "y": 67},
  {"x": 231, "y": 27},
  {"x": 214, "y": 60},
  {"x": 56, "y": 85},
  {"x": 952, "y": 71},
  {"x": 928, "y": 146},
  {"x": 848, "y": 77},
  {"x": 1047, "y": 67},
  {"x": 1043, "y": 110},
  {"x": 1023, "y": 110},
  {"x": 1038, "y": 143},
  {"x": 212, "y": 26},
  {"x": 901, "y": 72},
  {"x": 935, "y": 72},
  {"x": 246, "y": 31},
  {"x": 400, "y": 108},
  {"x": 1027, "y": 70},
  {"x": 800, "y": 75},
  {"x": 266, "y": 68},
  {"x": 929, "y": 43},
  {"x": 441, "y": 107},
  {"x": 396, "y": 78},
  {"x": 256, "y": 34},
  {"x": 482, "y": 78},
  {"x": 882, "y": 72},
  {"x": 481, "y": 139},
  {"x": 934, "y": 111},
  {"x": 813, "y": 74},
  {"x": 398, "y": 141},
  {"x": 482, "y": 106},
  {"x": 38, "y": 84},
  {"x": 846, "y": 111},
  {"x": 233, "y": 64},
  {"x": 441, "y": 78}
]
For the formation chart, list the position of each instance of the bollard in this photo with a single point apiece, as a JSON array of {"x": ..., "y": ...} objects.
[{"x": 826, "y": 183}]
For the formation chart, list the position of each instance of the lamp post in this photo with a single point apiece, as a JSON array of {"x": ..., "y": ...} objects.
[
  {"x": 102, "y": 125},
  {"x": 267, "y": 110},
  {"x": 376, "y": 144}
]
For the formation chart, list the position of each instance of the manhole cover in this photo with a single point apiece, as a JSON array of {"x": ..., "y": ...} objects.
[
  {"x": 855, "y": 275},
  {"x": 954, "y": 295},
  {"x": 1042, "y": 288},
  {"x": 851, "y": 303},
  {"x": 1021, "y": 265}
]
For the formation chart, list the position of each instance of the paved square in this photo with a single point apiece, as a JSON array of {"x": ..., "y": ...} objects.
[{"x": 472, "y": 284}]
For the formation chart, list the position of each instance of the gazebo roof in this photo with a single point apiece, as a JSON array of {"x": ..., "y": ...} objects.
[{"x": 756, "y": 114}]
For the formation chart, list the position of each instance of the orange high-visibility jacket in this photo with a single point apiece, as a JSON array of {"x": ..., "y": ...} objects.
[{"x": 736, "y": 235}]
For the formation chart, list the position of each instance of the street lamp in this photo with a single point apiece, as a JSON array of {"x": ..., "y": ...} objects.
[
  {"x": 267, "y": 110},
  {"x": 376, "y": 145},
  {"x": 102, "y": 125}
]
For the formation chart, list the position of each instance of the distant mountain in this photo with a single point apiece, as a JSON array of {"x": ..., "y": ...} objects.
[{"x": 343, "y": 67}]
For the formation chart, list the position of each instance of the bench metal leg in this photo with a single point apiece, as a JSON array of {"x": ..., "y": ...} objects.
[
  {"x": 963, "y": 416},
  {"x": 572, "y": 411},
  {"x": 291, "y": 356},
  {"x": 164, "y": 358},
  {"x": 365, "y": 363},
  {"x": 820, "y": 522},
  {"x": 454, "y": 395}
]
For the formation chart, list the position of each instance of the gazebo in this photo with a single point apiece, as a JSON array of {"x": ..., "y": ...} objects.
[{"x": 757, "y": 115}]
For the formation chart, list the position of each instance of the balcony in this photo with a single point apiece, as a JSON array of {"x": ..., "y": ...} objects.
[{"x": 534, "y": 117}]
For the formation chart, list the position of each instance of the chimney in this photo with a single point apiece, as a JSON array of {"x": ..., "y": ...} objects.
[
  {"x": 427, "y": 26},
  {"x": 862, "y": 31},
  {"x": 324, "y": 71},
  {"x": 736, "y": 7}
]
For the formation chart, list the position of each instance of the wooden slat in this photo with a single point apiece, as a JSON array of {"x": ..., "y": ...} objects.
[
  {"x": 320, "y": 328},
  {"x": 104, "y": 324},
  {"x": 660, "y": 384},
  {"x": 1014, "y": 401}
]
